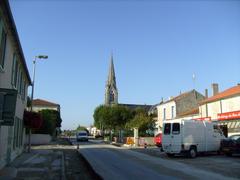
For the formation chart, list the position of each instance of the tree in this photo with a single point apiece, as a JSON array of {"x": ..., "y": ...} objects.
[
  {"x": 111, "y": 117},
  {"x": 32, "y": 120},
  {"x": 142, "y": 121},
  {"x": 51, "y": 120}
]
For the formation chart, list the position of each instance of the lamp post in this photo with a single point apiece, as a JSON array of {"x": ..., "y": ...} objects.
[{"x": 33, "y": 81}]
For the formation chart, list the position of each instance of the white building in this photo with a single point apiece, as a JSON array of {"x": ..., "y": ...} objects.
[
  {"x": 223, "y": 107},
  {"x": 14, "y": 82},
  {"x": 40, "y": 104},
  {"x": 185, "y": 104}
]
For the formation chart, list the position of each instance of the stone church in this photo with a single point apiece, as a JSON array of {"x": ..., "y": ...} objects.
[{"x": 111, "y": 91}]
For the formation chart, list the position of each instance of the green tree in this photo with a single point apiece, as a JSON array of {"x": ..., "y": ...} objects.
[
  {"x": 111, "y": 117},
  {"x": 51, "y": 120},
  {"x": 142, "y": 121}
]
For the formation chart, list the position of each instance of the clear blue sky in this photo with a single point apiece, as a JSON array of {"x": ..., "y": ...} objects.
[{"x": 157, "y": 46}]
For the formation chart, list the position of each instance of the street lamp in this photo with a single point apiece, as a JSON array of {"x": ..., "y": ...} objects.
[
  {"x": 34, "y": 68},
  {"x": 33, "y": 81}
]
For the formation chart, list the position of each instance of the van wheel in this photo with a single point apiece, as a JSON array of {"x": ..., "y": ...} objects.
[
  {"x": 192, "y": 152},
  {"x": 170, "y": 155}
]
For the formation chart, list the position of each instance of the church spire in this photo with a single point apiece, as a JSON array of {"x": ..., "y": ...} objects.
[
  {"x": 111, "y": 92},
  {"x": 111, "y": 74}
]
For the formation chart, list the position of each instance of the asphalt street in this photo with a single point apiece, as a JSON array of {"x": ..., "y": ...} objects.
[{"x": 112, "y": 162}]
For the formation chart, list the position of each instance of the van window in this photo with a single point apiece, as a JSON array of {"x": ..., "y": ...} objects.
[
  {"x": 82, "y": 134},
  {"x": 176, "y": 128},
  {"x": 167, "y": 128}
]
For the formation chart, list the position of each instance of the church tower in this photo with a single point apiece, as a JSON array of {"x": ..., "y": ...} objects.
[{"x": 111, "y": 92}]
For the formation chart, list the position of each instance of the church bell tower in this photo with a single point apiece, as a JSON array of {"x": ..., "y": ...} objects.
[{"x": 111, "y": 92}]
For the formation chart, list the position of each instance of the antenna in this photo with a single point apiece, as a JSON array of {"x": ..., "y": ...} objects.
[{"x": 194, "y": 80}]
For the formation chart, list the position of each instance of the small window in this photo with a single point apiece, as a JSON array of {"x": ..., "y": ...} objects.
[
  {"x": 2, "y": 44},
  {"x": 176, "y": 128},
  {"x": 172, "y": 109},
  {"x": 167, "y": 128},
  {"x": 164, "y": 113}
]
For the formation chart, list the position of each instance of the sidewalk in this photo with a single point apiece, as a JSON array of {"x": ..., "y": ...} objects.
[{"x": 40, "y": 164}]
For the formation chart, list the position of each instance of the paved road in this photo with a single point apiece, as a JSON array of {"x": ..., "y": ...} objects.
[{"x": 112, "y": 162}]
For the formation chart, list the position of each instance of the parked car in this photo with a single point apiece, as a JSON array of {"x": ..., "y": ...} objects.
[
  {"x": 189, "y": 137},
  {"x": 231, "y": 145},
  {"x": 82, "y": 136},
  {"x": 158, "y": 140}
]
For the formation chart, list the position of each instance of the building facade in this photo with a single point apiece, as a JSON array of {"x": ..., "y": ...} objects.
[
  {"x": 223, "y": 107},
  {"x": 40, "y": 104},
  {"x": 180, "y": 106},
  {"x": 14, "y": 80}
]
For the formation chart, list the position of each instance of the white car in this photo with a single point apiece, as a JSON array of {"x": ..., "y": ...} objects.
[{"x": 82, "y": 136}]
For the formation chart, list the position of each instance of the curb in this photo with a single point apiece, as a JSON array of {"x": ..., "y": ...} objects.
[{"x": 88, "y": 165}]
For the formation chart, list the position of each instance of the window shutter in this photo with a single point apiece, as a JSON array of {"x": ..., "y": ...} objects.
[
  {"x": 8, "y": 98},
  {"x": 13, "y": 69}
]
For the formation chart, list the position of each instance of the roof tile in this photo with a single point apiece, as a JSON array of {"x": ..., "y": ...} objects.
[{"x": 222, "y": 95}]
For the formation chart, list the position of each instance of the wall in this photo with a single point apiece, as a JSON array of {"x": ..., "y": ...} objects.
[
  {"x": 231, "y": 104},
  {"x": 11, "y": 136},
  {"x": 220, "y": 106},
  {"x": 168, "y": 107},
  {"x": 39, "y": 108},
  {"x": 188, "y": 102},
  {"x": 37, "y": 139}
]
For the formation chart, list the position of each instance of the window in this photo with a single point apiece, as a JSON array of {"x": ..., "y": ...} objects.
[
  {"x": 15, "y": 134},
  {"x": 172, "y": 109},
  {"x": 15, "y": 73},
  {"x": 19, "y": 77},
  {"x": 164, "y": 113},
  {"x": 167, "y": 128},
  {"x": 13, "y": 70},
  {"x": 2, "y": 44},
  {"x": 176, "y": 128},
  {"x": 18, "y": 133},
  {"x": 111, "y": 96},
  {"x": 23, "y": 89}
]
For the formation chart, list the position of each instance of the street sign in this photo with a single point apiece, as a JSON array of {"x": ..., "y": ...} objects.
[{"x": 8, "y": 98}]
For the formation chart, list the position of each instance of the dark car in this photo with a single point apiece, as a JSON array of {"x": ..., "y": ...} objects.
[
  {"x": 158, "y": 140},
  {"x": 231, "y": 145}
]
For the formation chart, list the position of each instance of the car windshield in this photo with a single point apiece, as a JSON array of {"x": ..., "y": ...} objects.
[
  {"x": 82, "y": 134},
  {"x": 235, "y": 137}
]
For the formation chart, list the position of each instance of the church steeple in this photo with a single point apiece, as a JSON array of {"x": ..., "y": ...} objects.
[{"x": 111, "y": 92}]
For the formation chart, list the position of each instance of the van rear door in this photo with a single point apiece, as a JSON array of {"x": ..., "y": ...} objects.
[
  {"x": 167, "y": 140},
  {"x": 176, "y": 138}
]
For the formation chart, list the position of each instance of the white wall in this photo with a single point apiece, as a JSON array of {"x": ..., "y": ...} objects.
[
  {"x": 39, "y": 108},
  {"x": 7, "y": 132},
  {"x": 220, "y": 106},
  {"x": 223, "y": 106},
  {"x": 231, "y": 104},
  {"x": 37, "y": 139},
  {"x": 168, "y": 107}
]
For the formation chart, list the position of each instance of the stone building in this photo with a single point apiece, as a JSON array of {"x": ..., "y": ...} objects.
[
  {"x": 111, "y": 92},
  {"x": 14, "y": 82}
]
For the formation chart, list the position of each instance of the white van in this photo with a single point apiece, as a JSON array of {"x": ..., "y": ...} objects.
[
  {"x": 182, "y": 136},
  {"x": 82, "y": 136}
]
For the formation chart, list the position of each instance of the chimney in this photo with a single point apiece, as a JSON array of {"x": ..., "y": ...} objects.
[
  {"x": 206, "y": 93},
  {"x": 214, "y": 89}
]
